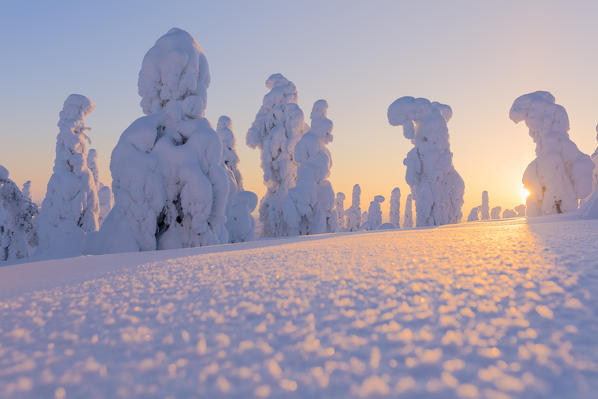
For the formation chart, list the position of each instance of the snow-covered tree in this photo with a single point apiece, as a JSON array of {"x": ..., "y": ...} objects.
[
  {"x": 520, "y": 209},
  {"x": 70, "y": 208},
  {"x": 474, "y": 214},
  {"x": 509, "y": 213},
  {"x": 17, "y": 212},
  {"x": 395, "y": 207},
  {"x": 278, "y": 127},
  {"x": 485, "y": 209},
  {"x": 354, "y": 212},
  {"x": 309, "y": 206},
  {"x": 408, "y": 219},
  {"x": 374, "y": 214},
  {"x": 92, "y": 164},
  {"x": 239, "y": 221},
  {"x": 364, "y": 220},
  {"x": 435, "y": 185},
  {"x": 26, "y": 189},
  {"x": 561, "y": 174},
  {"x": 105, "y": 197},
  {"x": 495, "y": 212},
  {"x": 339, "y": 205},
  {"x": 169, "y": 181}
]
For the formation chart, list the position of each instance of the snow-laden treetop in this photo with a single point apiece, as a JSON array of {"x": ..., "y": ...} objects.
[
  {"x": 3, "y": 173},
  {"x": 176, "y": 68},
  {"x": 76, "y": 108},
  {"x": 409, "y": 111}
]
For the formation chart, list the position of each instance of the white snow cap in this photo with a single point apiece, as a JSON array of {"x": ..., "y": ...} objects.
[
  {"x": 278, "y": 127},
  {"x": 435, "y": 185},
  {"x": 561, "y": 174},
  {"x": 175, "y": 68},
  {"x": 395, "y": 207},
  {"x": 71, "y": 207}
]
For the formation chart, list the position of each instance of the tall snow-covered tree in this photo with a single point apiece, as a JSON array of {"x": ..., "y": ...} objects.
[
  {"x": 354, "y": 212},
  {"x": 408, "y": 220},
  {"x": 374, "y": 216},
  {"x": 276, "y": 130},
  {"x": 485, "y": 209},
  {"x": 17, "y": 212},
  {"x": 239, "y": 221},
  {"x": 339, "y": 205},
  {"x": 70, "y": 208},
  {"x": 169, "y": 181},
  {"x": 561, "y": 174},
  {"x": 435, "y": 185},
  {"x": 309, "y": 206},
  {"x": 395, "y": 207}
]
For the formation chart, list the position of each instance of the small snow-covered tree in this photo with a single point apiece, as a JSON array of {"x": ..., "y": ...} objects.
[
  {"x": 395, "y": 207},
  {"x": 509, "y": 213},
  {"x": 339, "y": 205},
  {"x": 277, "y": 128},
  {"x": 364, "y": 220},
  {"x": 435, "y": 185},
  {"x": 485, "y": 209},
  {"x": 520, "y": 209},
  {"x": 17, "y": 212},
  {"x": 92, "y": 164},
  {"x": 169, "y": 181},
  {"x": 70, "y": 208},
  {"x": 26, "y": 190},
  {"x": 495, "y": 212},
  {"x": 239, "y": 221},
  {"x": 105, "y": 197},
  {"x": 354, "y": 212},
  {"x": 374, "y": 214},
  {"x": 561, "y": 174},
  {"x": 309, "y": 206},
  {"x": 474, "y": 215},
  {"x": 408, "y": 220}
]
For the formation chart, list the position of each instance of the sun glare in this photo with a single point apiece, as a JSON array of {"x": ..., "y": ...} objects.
[{"x": 524, "y": 194}]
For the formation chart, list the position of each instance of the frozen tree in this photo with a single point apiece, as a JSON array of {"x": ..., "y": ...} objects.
[
  {"x": 339, "y": 205},
  {"x": 435, "y": 185},
  {"x": 354, "y": 212},
  {"x": 92, "y": 164},
  {"x": 395, "y": 207},
  {"x": 561, "y": 174},
  {"x": 26, "y": 190},
  {"x": 17, "y": 211},
  {"x": 408, "y": 220},
  {"x": 509, "y": 213},
  {"x": 485, "y": 209},
  {"x": 278, "y": 127},
  {"x": 105, "y": 197},
  {"x": 520, "y": 209},
  {"x": 495, "y": 212},
  {"x": 364, "y": 220},
  {"x": 374, "y": 215},
  {"x": 239, "y": 221},
  {"x": 309, "y": 206},
  {"x": 474, "y": 215},
  {"x": 70, "y": 208},
  {"x": 169, "y": 181}
]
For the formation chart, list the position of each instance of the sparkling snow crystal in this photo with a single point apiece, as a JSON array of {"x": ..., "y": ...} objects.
[
  {"x": 435, "y": 185},
  {"x": 561, "y": 174}
]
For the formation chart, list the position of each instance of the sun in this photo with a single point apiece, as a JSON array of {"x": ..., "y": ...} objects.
[{"x": 524, "y": 193}]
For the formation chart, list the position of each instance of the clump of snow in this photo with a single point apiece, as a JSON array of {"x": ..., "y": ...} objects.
[
  {"x": 339, "y": 205},
  {"x": 435, "y": 185},
  {"x": 509, "y": 213},
  {"x": 561, "y": 174},
  {"x": 408, "y": 219},
  {"x": 520, "y": 209},
  {"x": 309, "y": 206},
  {"x": 395, "y": 207},
  {"x": 169, "y": 181},
  {"x": 70, "y": 208},
  {"x": 474, "y": 214},
  {"x": 495, "y": 212},
  {"x": 354, "y": 212},
  {"x": 485, "y": 208},
  {"x": 239, "y": 222},
  {"x": 374, "y": 214},
  {"x": 277, "y": 128},
  {"x": 17, "y": 212}
]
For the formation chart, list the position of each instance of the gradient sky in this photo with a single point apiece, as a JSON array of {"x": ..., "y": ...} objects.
[{"x": 360, "y": 56}]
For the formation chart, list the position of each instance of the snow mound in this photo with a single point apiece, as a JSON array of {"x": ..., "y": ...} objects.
[
  {"x": 435, "y": 185},
  {"x": 561, "y": 174}
]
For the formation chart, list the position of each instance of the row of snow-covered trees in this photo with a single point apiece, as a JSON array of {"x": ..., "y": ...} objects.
[{"x": 176, "y": 182}]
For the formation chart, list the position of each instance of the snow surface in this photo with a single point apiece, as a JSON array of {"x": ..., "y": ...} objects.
[{"x": 496, "y": 310}]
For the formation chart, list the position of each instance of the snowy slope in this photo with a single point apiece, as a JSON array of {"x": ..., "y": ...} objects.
[{"x": 480, "y": 310}]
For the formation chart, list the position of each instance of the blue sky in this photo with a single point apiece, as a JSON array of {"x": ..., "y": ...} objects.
[{"x": 360, "y": 56}]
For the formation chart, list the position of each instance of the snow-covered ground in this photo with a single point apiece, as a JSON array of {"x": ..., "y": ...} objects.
[{"x": 492, "y": 310}]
